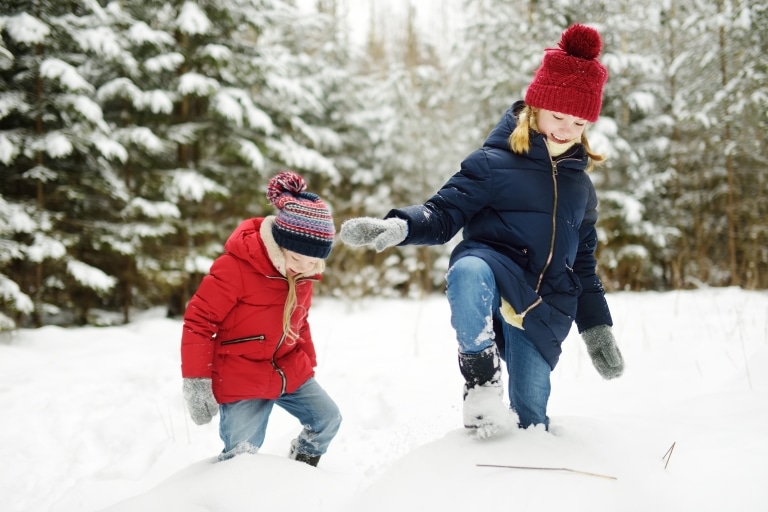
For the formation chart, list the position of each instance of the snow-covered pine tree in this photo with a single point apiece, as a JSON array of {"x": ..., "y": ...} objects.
[
  {"x": 56, "y": 153},
  {"x": 257, "y": 86},
  {"x": 634, "y": 135},
  {"x": 209, "y": 99},
  {"x": 345, "y": 127},
  {"x": 404, "y": 155},
  {"x": 714, "y": 189}
]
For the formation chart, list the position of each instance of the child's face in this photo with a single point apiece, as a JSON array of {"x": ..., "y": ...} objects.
[
  {"x": 296, "y": 263},
  {"x": 560, "y": 128}
]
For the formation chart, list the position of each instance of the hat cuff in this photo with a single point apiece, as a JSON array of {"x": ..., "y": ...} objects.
[
  {"x": 565, "y": 100},
  {"x": 302, "y": 244}
]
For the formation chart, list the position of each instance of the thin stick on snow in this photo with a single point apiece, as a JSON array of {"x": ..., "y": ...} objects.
[
  {"x": 744, "y": 355},
  {"x": 668, "y": 455},
  {"x": 162, "y": 419},
  {"x": 549, "y": 469}
]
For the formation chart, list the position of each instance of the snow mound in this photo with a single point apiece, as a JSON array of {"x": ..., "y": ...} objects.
[{"x": 244, "y": 483}]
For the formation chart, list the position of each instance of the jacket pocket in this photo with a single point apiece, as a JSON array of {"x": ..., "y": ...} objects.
[
  {"x": 519, "y": 256},
  {"x": 258, "y": 337},
  {"x": 575, "y": 284},
  {"x": 254, "y": 345},
  {"x": 567, "y": 283}
]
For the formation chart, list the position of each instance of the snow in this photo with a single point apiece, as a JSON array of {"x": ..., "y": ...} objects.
[
  {"x": 57, "y": 145},
  {"x": 94, "y": 419},
  {"x": 191, "y": 185},
  {"x": 13, "y": 218},
  {"x": 142, "y": 137},
  {"x": 197, "y": 84},
  {"x": 102, "y": 41},
  {"x": 632, "y": 209},
  {"x": 91, "y": 277},
  {"x": 67, "y": 75},
  {"x": 297, "y": 156},
  {"x": 192, "y": 20},
  {"x": 251, "y": 153},
  {"x": 166, "y": 62},
  {"x": 109, "y": 148},
  {"x": 217, "y": 52},
  {"x": 42, "y": 247},
  {"x": 141, "y": 33},
  {"x": 89, "y": 109},
  {"x": 158, "y": 102},
  {"x": 238, "y": 106},
  {"x": 26, "y": 29},
  {"x": 227, "y": 104},
  {"x": 10, "y": 292},
  {"x": 9, "y": 149},
  {"x": 154, "y": 209}
]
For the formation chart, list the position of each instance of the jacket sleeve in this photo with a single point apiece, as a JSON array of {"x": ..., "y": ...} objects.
[
  {"x": 445, "y": 213},
  {"x": 214, "y": 299},
  {"x": 592, "y": 307}
]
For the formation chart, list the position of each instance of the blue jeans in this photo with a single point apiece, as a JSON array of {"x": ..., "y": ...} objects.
[
  {"x": 475, "y": 302},
  {"x": 243, "y": 424}
]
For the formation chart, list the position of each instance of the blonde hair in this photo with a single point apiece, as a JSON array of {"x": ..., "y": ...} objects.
[
  {"x": 290, "y": 304},
  {"x": 520, "y": 139}
]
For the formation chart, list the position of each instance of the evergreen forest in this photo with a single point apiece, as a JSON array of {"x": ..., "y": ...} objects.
[{"x": 136, "y": 135}]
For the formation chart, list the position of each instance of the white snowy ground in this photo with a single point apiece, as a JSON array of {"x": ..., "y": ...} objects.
[{"x": 93, "y": 419}]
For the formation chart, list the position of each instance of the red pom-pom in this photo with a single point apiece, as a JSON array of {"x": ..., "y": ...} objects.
[
  {"x": 581, "y": 41},
  {"x": 286, "y": 181}
]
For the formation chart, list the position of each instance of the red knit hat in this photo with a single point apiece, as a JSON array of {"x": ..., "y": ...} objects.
[
  {"x": 570, "y": 79},
  {"x": 303, "y": 223}
]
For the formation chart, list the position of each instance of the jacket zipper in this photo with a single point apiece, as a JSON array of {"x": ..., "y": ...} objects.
[
  {"x": 283, "y": 379},
  {"x": 551, "y": 254},
  {"x": 277, "y": 368},
  {"x": 554, "y": 225}
]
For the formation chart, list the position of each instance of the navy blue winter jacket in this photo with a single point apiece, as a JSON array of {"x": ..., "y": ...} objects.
[{"x": 532, "y": 219}]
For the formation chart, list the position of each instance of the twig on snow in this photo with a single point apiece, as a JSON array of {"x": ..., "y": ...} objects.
[
  {"x": 668, "y": 455},
  {"x": 549, "y": 469}
]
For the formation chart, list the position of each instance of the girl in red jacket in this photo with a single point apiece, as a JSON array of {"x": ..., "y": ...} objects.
[{"x": 246, "y": 343}]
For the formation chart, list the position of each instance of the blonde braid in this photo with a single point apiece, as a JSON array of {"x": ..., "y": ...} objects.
[
  {"x": 520, "y": 139},
  {"x": 290, "y": 304}
]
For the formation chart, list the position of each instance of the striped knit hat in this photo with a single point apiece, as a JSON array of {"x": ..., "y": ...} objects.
[{"x": 303, "y": 223}]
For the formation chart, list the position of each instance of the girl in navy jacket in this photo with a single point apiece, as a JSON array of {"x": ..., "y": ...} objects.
[{"x": 525, "y": 270}]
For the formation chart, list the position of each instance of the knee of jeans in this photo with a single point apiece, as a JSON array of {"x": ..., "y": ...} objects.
[
  {"x": 337, "y": 422},
  {"x": 331, "y": 418},
  {"x": 468, "y": 267}
]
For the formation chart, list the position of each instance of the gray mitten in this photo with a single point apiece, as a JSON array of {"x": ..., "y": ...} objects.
[
  {"x": 603, "y": 351},
  {"x": 376, "y": 232},
  {"x": 198, "y": 394}
]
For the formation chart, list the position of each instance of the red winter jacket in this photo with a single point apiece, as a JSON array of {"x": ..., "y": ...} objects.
[{"x": 233, "y": 325}]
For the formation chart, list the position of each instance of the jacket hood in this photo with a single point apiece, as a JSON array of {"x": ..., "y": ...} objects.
[
  {"x": 499, "y": 136},
  {"x": 252, "y": 241}
]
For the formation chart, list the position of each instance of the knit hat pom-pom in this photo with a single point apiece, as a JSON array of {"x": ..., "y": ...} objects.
[
  {"x": 581, "y": 41},
  {"x": 284, "y": 182}
]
